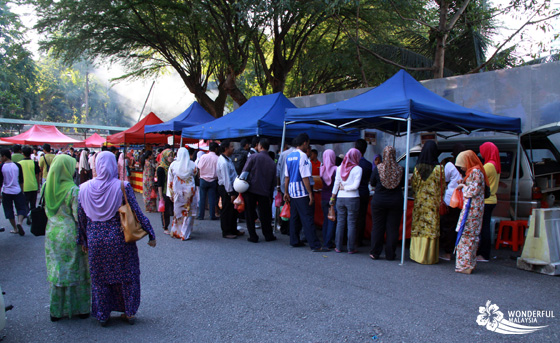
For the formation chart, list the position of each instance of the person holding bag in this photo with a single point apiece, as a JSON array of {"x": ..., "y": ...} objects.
[
  {"x": 386, "y": 204},
  {"x": 67, "y": 267},
  {"x": 328, "y": 173},
  {"x": 114, "y": 264},
  {"x": 149, "y": 186}
]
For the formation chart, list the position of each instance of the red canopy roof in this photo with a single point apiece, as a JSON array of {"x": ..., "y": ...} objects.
[
  {"x": 40, "y": 134},
  {"x": 93, "y": 141},
  {"x": 135, "y": 135}
]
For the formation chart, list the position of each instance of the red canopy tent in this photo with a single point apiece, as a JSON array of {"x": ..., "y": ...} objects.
[
  {"x": 40, "y": 134},
  {"x": 135, "y": 135},
  {"x": 93, "y": 141}
]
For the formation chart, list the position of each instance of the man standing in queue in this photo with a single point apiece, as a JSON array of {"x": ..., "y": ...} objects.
[
  {"x": 297, "y": 191},
  {"x": 226, "y": 174},
  {"x": 262, "y": 176}
]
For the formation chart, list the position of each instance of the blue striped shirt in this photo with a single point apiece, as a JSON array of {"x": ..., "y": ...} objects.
[{"x": 297, "y": 168}]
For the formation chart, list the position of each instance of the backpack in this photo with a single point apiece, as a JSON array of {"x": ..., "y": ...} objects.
[{"x": 239, "y": 159}]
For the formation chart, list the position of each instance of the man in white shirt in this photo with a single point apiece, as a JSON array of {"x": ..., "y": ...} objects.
[
  {"x": 298, "y": 192},
  {"x": 226, "y": 174},
  {"x": 11, "y": 181},
  {"x": 208, "y": 182}
]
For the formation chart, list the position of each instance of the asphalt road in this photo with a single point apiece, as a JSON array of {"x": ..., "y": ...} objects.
[{"x": 211, "y": 289}]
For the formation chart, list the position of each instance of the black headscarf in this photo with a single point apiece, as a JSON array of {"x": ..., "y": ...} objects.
[
  {"x": 427, "y": 160},
  {"x": 457, "y": 149}
]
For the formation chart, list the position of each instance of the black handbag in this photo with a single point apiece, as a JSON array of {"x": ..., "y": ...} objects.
[{"x": 39, "y": 218}]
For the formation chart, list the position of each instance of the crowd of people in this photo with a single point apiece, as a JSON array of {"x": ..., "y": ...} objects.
[{"x": 92, "y": 270}]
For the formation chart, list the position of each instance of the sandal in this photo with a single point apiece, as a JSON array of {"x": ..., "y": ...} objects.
[
  {"x": 130, "y": 320},
  {"x": 13, "y": 231},
  {"x": 373, "y": 257}
]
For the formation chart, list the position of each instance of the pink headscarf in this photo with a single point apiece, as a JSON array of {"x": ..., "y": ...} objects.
[
  {"x": 491, "y": 154},
  {"x": 351, "y": 160},
  {"x": 101, "y": 197},
  {"x": 328, "y": 167}
]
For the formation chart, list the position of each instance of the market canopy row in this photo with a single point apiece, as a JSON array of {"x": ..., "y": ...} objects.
[
  {"x": 40, "y": 134},
  {"x": 193, "y": 115}
]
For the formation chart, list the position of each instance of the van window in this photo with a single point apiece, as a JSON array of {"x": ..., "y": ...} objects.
[{"x": 506, "y": 160}]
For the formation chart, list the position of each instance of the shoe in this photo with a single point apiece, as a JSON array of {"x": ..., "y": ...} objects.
[
  {"x": 317, "y": 250},
  {"x": 130, "y": 320},
  {"x": 240, "y": 233},
  {"x": 198, "y": 218},
  {"x": 28, "y": 221},
  {"x": 20, "y": 230},
  {"x": 373, "y": 257},
  {"x": 445, "y": 257},
  {"x": 339, "y": 251},
  {"x": 83, "y": 316},
  {"x": 215, "y": 218},
  {"x": 353, "y": 252},
  {"x": 481, "y": 259},
  {"x": 466, "y": 271},
  {"x": 325, "y": 249},
  {"x": 104, "y": 323},
  {"x": 253, "y": 240},
  {"x": 230, "y": 236},
  {"x": 298, "y": 245},
  {"x": 271, "y": 239},
  {"x": 54, "y": 319}
]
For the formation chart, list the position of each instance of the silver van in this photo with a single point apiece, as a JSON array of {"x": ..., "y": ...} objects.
[{"x": 539, "y": 171}]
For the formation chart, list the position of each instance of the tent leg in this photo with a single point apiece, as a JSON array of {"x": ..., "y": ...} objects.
[
  {"x": 405, "y": 202},
  {"x": 282, "y": 143},
  {"x": 517, "y": 164},
  {"x": 181, "y": 143}
]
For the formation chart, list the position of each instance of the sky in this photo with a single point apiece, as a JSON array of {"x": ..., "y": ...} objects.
[{"x": 170, "y": 97}]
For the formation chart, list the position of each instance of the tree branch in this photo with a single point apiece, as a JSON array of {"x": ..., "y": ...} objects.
[
  {"x": 421, "y": 22},
  {"x": 457, "y": 15}
]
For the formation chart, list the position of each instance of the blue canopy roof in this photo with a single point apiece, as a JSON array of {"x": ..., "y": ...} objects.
[
  {"x": 264, "y": 116},
  {"x": 387, "y": 106},
  {"x": 194, "y": 115}
]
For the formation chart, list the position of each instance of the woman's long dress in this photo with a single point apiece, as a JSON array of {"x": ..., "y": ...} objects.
[
  {"x": 468, "y": 244},
  {"x": 114, "y": 264},
  {"x": 424, "y": 243},
  {"x": 149, "y": 186},
  {"x": 67, "y": 265},
  {"x": 185, "y": 202}
]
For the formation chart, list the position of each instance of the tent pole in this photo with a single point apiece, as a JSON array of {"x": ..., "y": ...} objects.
[
  {"x": 281, "y": 149},
  {"x": 517, "y": 164},
  {"x": 181, "y": 143},
  {"x": 405, "y": 202},
  {"x": 283, "y": 138}
]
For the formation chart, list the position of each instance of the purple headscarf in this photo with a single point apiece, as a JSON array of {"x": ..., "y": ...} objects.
[
  {"x": 101, "y": 197},
  {"x": 329, "y": 167}
]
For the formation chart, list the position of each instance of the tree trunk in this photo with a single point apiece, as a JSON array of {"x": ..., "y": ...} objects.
[
  {"x": 441, "y": 38},
  {"x": 233, "y": 91}
]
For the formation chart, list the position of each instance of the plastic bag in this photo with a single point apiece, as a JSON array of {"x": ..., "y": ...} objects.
[
  {"x": 278, "y": 200},
  {"x": 153, "y": 194},
  {"x": 161, "y": 207},
  {"x": 332, "y": 214},
  {"x": 456, "y": 199},
  {"x": 239, "y": 203},
  {"x": 285, "y": 213}
]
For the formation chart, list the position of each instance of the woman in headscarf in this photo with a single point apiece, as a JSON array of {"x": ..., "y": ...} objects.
[
  {"x": 122, "y": 167},
  {"x": 83, "y": 167},
  {"x": 386, "y": 204},
  {"x": 182, "y": 190},
  {"x": 113, "y": 263},
  {"x": 376, "y": 160},
  {"x": 162, "y": 172},
  {"x": 347, "y": 181},
  {"x": 473, "y": 188},
  {"x": 149, "y": 185},
  {"x": 448, "y": 221},
  {"x": 426, "y": 184},
  {"x": 493, "y": 168},
  {"x": 328, "y": 174},
  {"x": 67, "y": 267}
]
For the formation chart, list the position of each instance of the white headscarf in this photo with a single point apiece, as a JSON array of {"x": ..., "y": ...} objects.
[
  {"x": 183, "y": 165},
  {"x": 84, "y": 163}
]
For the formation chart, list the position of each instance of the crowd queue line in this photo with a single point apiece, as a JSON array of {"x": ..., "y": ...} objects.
[{"x": 92, "y": 270}]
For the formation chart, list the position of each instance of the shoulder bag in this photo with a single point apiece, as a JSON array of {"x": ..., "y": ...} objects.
[
  {"x": 39, "y": 218},
  {"x": 129, "y": 223}
]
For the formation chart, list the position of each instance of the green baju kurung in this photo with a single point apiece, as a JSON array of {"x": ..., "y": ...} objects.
[{"x": 67, "y": 266}]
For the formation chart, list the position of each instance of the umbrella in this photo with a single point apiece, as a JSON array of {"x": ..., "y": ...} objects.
[{"x": 462, "y": 226}]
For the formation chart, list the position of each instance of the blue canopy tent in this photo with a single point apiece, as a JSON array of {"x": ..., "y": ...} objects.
[
  {"x": 401, "y": 105},
  {"x": 194, "y": 115},
  {"x": 264, "y": 116}
]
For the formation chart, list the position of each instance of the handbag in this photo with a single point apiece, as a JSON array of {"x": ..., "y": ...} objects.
[
  {"x": 442, "y": 205},
  {"x": 332, "y": 214},
  {"x": 130, "y": 225},
  {"x": 278, "y": 199},
  {"x": 39, "y": 218}
]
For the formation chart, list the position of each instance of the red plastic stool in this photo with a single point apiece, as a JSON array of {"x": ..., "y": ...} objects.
[{"x": 515, "y": 232}]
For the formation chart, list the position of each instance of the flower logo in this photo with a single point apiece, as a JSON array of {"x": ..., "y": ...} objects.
[{"x": 489, "y": 316}]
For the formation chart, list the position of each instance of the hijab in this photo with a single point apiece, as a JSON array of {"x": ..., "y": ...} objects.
[
  {"x": 328, "y": 167},
  {"x": 182, "y": 166},
  {"x": 164, "y": 162},
  {"x": 490, "y": 153},
  {"x": 59, "y": 183},
  {"x": 374, "y": 158},
  {"x": 351, "y": 160},
  {"x": 101, "y": 197},
  {"x": 83, "y": 164},
  {"x": 390, "y": 173},
  {"x": 468, "y": 159},
  {"x": 427, "y": 160}
]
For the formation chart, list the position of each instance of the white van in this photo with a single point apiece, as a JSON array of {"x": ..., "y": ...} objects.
[{"x": 539, "y": 171}]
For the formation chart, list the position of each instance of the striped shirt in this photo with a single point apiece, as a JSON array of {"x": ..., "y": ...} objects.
[{"x": 297, "y": 168}]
